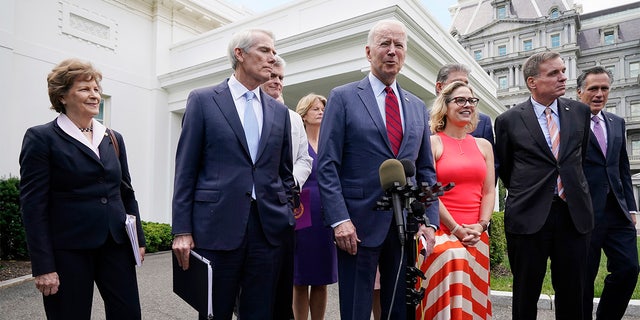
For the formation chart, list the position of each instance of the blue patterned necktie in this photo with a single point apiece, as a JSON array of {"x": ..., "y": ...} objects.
[{"x": 251, "y": 126}]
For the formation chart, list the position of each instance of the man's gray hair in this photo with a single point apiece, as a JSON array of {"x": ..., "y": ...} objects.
[
  {"x": 580, "y": 82},
  {"x": 279, "y": 62},
  {"x": 447, "y": 69},
  {"x": 244, "y": 40},
  {"x": 380, "y": 25}
]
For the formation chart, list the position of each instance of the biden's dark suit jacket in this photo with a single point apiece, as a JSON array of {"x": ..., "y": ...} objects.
[
  {"x": 71, "y": 198},
  {"x": 353, "y": 144}
]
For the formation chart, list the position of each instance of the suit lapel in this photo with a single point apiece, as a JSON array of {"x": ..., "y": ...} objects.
[
  {"x": 267, "y": 122},
  {"x": 567, "y": 124},
  {"x": 224, "y": 101},
  {"x": 84, "y": 149},
  {"x": 367, "y": 96},
  {"x": 610, "y": 128},
  {"x": 409, "y": 112},
  {"x": 533, "y": 126}
]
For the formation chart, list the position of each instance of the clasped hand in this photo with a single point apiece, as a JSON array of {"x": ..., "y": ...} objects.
[{"x": 469, "y": 234}]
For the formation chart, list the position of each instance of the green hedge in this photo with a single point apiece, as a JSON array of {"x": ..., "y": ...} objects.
[
  {"x": 13, "y": 244},
  {"x": 497, "y": 240},
  {"x": 158, "y": 236}
]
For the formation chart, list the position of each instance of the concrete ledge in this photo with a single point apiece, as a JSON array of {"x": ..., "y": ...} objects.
[
  {"x": 503, "y": 298},
  {"x": 14, "y": 281}
]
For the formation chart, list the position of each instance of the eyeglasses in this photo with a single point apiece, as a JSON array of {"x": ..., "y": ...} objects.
[{"x": 461, "y": 101}]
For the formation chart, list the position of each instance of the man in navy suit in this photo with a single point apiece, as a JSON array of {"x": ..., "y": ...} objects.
[
  {"x": 607, "y": 170},
  {"x": 233, "y": 180},
  {"x": 355, "y": 141},
  {"x": 459, "y": 72},
  {"x": 541, "y": 144}
]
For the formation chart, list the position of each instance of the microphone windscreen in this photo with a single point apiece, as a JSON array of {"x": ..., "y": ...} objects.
[
  {"x": 391, "y": 171},
  {"x": 409, "y": 167}
]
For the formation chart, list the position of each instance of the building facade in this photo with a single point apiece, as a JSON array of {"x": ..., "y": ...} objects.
[
  {"x": 152, "y": 53},
  {"x": 501, "y": 34}
]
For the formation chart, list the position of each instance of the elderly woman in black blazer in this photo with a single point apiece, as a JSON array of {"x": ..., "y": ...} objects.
[{"x": 73, "y": 208}]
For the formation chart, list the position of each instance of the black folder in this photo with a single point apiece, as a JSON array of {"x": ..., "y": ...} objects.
[{"x": 194, "y": 285}]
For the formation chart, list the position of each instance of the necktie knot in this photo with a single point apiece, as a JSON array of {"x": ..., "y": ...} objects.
[
  {"x": 249, "y": 95},
  {"x": 595, "y": 119},
  {"x": 388, "y": 90}
]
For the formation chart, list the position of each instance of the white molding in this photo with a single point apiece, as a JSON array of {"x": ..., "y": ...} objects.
[{"x": 88, "y": 26}]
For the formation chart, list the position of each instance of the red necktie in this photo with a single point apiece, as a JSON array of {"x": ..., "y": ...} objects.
[
  {"x": 394, "y": 124},
  {"x": 554, "y": 133}
]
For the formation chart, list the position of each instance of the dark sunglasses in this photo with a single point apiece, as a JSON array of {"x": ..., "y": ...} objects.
[{"x": 461, "y": 102}]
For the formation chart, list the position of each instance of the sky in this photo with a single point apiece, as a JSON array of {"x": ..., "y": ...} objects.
[{"x": 437, "y": 8}]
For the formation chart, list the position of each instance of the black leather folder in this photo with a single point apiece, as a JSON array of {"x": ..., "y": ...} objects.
[{"x": 194, "y": 285}]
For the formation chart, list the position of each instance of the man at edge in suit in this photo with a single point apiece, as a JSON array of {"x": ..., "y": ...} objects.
[
  {"x": 302, "y": 163},
  {"x": 233, "y": 180},
  {"x": 541, "y": 144},
  {"x": 614, "y": 206},
  {"x": 365, "y": 123}
]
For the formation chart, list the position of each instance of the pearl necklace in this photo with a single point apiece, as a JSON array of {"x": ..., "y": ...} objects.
[{"x": 90, "y": 129}]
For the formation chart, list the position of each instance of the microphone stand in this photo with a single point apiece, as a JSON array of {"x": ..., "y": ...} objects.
[{"x": 423, "y": 196}]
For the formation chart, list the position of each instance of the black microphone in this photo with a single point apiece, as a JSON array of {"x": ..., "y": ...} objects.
[
  {"x": 409, "y": 168},
  {"x": 392, "y": 179},
  {"x": 409, "y": 171}
]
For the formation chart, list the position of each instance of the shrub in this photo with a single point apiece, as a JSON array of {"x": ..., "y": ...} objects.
[
  {"x": 157, "y": 235},
  {"x": 13, "y": 244},
  {"x": 497, "y": 240}
]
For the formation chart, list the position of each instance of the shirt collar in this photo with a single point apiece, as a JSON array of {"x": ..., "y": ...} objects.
[
  {"x": 238, "y": 89},
  {"x": 539, "y": 108},
  {"x": 72, "y": 130},
  {"x": 378, "y": 86}
]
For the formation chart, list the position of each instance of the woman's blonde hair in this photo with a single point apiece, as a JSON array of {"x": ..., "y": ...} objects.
[
  {"x": 438, "y": 114},
  {"x": 307, "y": 101}
]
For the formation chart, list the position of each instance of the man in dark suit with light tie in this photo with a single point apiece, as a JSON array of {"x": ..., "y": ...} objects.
[
  {"x": 458, "y": 72},
  {"x": 541, "y": 144},
  {"x": 364, "y": 124},
  {"x": 607, "y": 170},
  {"x": 233, "y": 181}
]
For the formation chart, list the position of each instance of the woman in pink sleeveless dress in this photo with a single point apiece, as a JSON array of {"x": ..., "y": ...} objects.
[{"x": 457, "y": 285}]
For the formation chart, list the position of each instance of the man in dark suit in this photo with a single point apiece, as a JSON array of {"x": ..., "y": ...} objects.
[
  {"x": 355, "y": 140},
  {"x": 541, "y": 144},
  {"x": 233, "y": 181},
  {"x": 459, "y": 72},
  {"x": 607, "y": 170}
]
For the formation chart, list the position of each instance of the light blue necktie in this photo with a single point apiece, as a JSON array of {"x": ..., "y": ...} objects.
[{"x": 251, "y": 126}]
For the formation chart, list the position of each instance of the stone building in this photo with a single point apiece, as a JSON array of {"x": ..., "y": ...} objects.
[{"x": 501, "y": 34}]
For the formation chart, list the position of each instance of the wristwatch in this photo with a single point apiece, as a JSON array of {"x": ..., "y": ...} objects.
[{"x": 484, "y": 224}]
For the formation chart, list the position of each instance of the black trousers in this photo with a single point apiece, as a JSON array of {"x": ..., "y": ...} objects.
[
  {"x": 111, "y": 267},
  {"x": 249, "y": 273},
  {"x": 528, "y": 254},
  {"x": 614, "y": 234}
]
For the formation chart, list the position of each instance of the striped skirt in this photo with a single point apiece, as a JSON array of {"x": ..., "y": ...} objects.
[{"x": 457, "y": 284}]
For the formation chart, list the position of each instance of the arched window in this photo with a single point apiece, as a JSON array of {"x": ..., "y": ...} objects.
[{"x": 554, "y": 13}]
